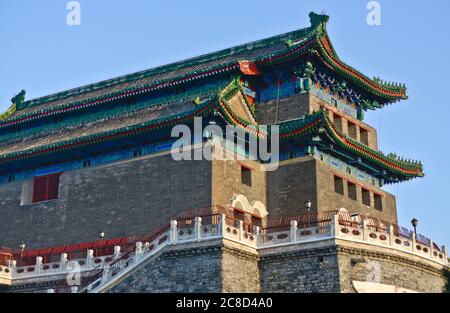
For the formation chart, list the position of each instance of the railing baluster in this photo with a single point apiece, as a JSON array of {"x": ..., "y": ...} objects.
[
  {"x": 173, "y": 231},
  {"x": 293, "y": 231}
]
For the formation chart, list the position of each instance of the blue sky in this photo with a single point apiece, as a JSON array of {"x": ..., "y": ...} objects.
[{"x": 40, "y": 53}]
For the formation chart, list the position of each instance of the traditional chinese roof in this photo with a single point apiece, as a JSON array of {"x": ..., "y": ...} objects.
[
  {"x": 393, "y": 168},
  {"x": 390, "y": 167},
  {"x": 313, "y": 40},
  {"x": 143, "y": 104},
  {"x": 230, "y": 103}
]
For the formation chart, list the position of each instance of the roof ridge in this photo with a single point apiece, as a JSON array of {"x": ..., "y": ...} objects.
[{"x": 166, "y": 67}]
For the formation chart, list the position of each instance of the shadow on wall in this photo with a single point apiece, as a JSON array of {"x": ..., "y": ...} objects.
[{"x": 447, "y": 276}]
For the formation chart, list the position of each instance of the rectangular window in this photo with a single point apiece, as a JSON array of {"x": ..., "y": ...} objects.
[
  {"x": 46, "y": 187},
  {"x": 337, "y": 122},
  {"x": 364, "y": 135},
  {"x": 246, "y": 176},
  {"x": 378, "y": 199},
  {"x": 352, "y": 191},
  {"x": 365, "y": 196},
  {"x": 338, "y": 185},
  {"x": 352, "y": 130}
]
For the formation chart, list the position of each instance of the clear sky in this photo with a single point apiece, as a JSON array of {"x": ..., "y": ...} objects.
[{"x": 40, "y": 53}]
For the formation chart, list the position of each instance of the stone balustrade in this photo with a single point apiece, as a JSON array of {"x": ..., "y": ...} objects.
[
  {"x": 188, "y": 231},
  {"x": 40, "y": 269},
  {"x": 388, "y": 237}
]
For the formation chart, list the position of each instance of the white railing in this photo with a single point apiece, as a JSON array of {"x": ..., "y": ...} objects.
[
  {"x": 363, "y": 232},
  {"x": 64, "y": 266},
  {"x": 108, "y": 269}
]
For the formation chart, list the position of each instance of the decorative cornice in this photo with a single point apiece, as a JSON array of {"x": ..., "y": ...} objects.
[
  {"x": 319, "y": 123},
  {"x": 308, "y": 40},
  {"x": 108, "y": 136},
  {"x": 389, "y": 257}
]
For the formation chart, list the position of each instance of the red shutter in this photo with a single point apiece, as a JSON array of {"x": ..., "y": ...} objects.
[
  {"x": 46, "y": 187},
  {"x": 53, "y": 186}
]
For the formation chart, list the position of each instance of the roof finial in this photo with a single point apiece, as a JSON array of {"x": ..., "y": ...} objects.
[
  {"x": 317, "y": 19},
  {"x": 19, "y": 98}
]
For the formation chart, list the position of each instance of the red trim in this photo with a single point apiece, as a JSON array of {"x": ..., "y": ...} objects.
[
  {"x": 246, "y": 166},
  {"x": 104, "y": 138},
  {"x": 129, "y": 93}
]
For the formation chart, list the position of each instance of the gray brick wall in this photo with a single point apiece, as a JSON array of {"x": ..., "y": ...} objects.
[
  {"x": 290, "y": 185},
  {"x": 288, "y": 108},
  {"x": 125, "y": 198},
  {"x": 405, "y": 272},
  {"x": 240, "y": 272},
  {"x": 195, "y": 269},
  {"x": 309, "y": 271},
  {"x": 191, "y": 270}
]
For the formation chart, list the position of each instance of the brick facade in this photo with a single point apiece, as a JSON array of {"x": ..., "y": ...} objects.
[
  {"x": 194, "y": 268},
  {"x": 325, "y": 267},
  {"x": 122, "y": 199},
  {"x": 305, "y": 178}
]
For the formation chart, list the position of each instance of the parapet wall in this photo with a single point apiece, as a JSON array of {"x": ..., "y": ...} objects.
[
  {"x": 368, "y": 264},
  {"x": 217, "y": 254},
  {"x": 215, "y": 267}
]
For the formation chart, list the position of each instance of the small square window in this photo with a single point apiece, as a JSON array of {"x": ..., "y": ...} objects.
[
  {"x": 365, "y": 196},
  {"x": 338, "y": 122},
  {"x": 338, "y": 185},
  {"x": 246, "y": 176},
  {"x": 352, "y": 130},
  {"x": 378, "y": 199},
  {"x": 352, "y": 191},
  {"x": 364, "y": 136}
]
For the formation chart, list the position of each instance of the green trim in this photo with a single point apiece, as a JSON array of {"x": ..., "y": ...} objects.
[
  {"x": 296, "y": 39},
  {"x": 8, "y": 112},
  {"x": 207, "y": 91},
  {"x": 319, "y": 123},
  {"x": 124, "y": 132}
]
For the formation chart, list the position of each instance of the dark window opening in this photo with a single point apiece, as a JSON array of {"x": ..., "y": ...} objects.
[
  {"x": 352, "y": 130},
  {"x": 257, "y": 221},
  {"x": 46, "y": 187},
  {"x": 378, "y": 199},
  {"x": 364, "y": 136},
  {"x": 338, "y": 185},
  {"x": 352, "y": 191},
  {"x": 365, "y": 196},
  {"x": 337, "y": 122},
  {"x": 246, "y": 176}
]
